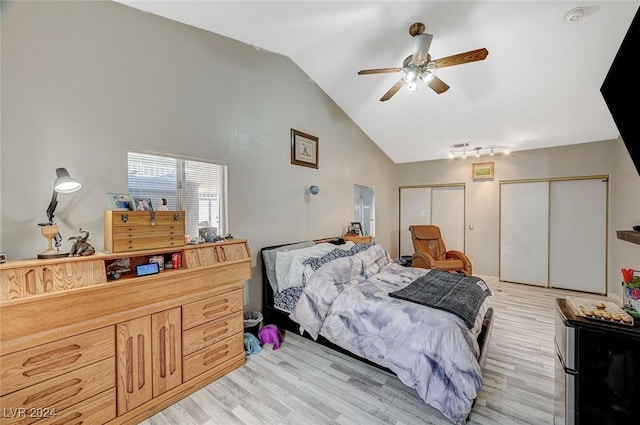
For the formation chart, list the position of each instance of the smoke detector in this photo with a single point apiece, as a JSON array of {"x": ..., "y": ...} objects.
[{"x": 574, "y": 15}]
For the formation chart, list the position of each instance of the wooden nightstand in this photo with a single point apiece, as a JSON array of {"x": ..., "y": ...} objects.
[{"x": 357, "y": 238}]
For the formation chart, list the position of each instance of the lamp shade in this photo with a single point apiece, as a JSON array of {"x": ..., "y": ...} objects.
[{"x": 64, "y": 182}]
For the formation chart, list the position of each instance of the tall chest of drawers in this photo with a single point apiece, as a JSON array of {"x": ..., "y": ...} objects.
[{"x": 101, "y": 350}]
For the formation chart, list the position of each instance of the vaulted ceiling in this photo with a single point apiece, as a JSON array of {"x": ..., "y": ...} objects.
[{"x": 538, "y": 87}]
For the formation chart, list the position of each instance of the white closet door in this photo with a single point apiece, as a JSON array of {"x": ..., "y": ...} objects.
[
  {"x": 524, "y": 221},
  {"x": 577, "y": 248},
  {"x": 415, "y": 208},
  {"x": 447, "y": 212}
]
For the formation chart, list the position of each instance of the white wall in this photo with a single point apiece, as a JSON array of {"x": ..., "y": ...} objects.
[
  {"x": 482, "y": 206},
  {"x": 83, "y": 81},
  {"x": 482, "y": 203}
]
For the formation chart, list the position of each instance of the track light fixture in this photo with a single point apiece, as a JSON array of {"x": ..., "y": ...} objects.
[{"x": 462, "y": 150}]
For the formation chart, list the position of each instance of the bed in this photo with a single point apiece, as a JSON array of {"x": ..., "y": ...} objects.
[{"x": 353, "y": 298}]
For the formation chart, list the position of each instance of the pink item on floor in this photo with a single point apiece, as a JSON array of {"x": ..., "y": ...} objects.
[{"x": 270, "y": 334}]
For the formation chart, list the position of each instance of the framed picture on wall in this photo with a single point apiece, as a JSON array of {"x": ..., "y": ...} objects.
[
  {"x": 304, "y": 149},
  {"x": 482, "y": 171}
]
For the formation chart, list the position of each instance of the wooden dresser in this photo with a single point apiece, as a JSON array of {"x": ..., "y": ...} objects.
[
  {"x": 357, "y": 238},
  {"x": 78, "y": 345}
]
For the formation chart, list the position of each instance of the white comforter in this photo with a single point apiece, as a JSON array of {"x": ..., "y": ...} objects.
[{"x": 430, "y": 350}]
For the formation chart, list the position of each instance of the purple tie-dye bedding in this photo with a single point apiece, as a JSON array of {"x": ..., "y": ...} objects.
[{"x": 432, "y": 351}]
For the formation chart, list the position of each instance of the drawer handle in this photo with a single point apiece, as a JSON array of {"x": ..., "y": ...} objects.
[
  {"x": 141, "y": 364},
  {"x": 67, "y": 420},
  {"x": 163, "y": 352},
  {"x": 217, "y": 306},
  {"x": 51, "y": 354},
  {"x": 176, "y": 217},
  {"x": 47, "y": 277},
  {"x": 173, "y": 354},
  {"x": 214, "y": 356},
  {"x": 153, "y": 217},
  {"x": 51, "y": 366},
  {"x": 49, "y": 392},
  {"x": 129, "y": 364},
  {"x": 210, "y": 336},
  {"x": 124, "y": 218}
]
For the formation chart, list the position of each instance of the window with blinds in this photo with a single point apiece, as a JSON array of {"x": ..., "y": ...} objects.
[
  {"x": 195, "y": 186},
  {"x": 364, "y": 208}
]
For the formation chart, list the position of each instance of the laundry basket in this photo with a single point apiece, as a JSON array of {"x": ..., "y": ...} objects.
[{"x": 252, "y": 320}]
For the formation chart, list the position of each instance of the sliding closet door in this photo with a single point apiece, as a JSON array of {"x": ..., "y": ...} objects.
[
  {"x": 524, "y": 222},
  {"x": 447, "y": 212},
  {"x": 415, "y": 208},
  {"x": 578, "y": 228}
]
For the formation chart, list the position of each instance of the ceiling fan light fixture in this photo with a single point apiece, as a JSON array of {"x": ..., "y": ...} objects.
[
  {"x": 410, "y": 77},
  {"x": 412, "y": 86},
  {"x": 427, "y": 77}
]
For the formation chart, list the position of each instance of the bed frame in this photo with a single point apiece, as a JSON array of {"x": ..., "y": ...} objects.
[{"x": 280, "y": 318}]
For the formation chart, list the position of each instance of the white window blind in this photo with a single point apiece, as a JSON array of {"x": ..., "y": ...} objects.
[
  {"x": 364, "y": 208},
  {"x": 195, "y": 186}
]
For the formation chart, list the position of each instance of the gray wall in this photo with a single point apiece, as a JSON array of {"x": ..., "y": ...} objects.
[
  {"x": 482, "y": 197},
  {"x": 82, "y": 81}
]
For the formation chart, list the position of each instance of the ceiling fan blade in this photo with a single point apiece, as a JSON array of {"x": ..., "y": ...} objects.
[
  {"x": 393, "y": 90},
  {"x": 378, "y": 71},
  {"x": 460, "y": 58},
  {"x": 437, "y": 85}
]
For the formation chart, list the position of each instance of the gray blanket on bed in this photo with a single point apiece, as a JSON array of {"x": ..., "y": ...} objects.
[{"x": 456, "y": 293}]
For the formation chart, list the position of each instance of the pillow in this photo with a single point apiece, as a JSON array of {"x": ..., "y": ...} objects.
[
  {"x": 313, "y": 264},
  {"x": 269, "y": 259},
  {"x": 289, "y": 267}
]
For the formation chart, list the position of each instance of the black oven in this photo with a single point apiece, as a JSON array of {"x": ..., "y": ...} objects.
[{"x": 597, "y": 372}]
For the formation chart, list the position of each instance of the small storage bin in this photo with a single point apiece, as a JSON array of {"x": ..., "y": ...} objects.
[{"x": 252, "y": 320}]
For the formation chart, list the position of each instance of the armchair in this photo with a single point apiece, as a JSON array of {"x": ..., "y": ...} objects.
[{"x": 431, "y": 252}]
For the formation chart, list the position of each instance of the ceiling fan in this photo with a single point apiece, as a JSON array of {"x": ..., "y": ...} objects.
[{"x": 420, "y": 66}]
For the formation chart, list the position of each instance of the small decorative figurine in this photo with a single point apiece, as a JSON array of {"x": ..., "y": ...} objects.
[
  {"x": 81, "y": 247},
  {"x": 163, "y": 204}
]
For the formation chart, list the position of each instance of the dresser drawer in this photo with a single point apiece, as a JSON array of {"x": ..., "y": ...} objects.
[
  {"x": 212, "y": 308},
  {"x": 123, "y": 232},
  {"x": 56, "y": 394},
  {"x": 98, "y": 409},
  {"x": 208, "y": 358},
  {"x": 144, "y": 218},
  {"x": 37, "y": 364},
  {"x": 142, "y": 243},
  {"x": 202, "y": 336}
]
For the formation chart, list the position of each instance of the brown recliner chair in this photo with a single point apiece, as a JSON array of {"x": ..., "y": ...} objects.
[{"x": 431, "y": 253}]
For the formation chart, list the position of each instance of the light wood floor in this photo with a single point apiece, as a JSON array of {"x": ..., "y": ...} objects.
[{"x": 305, "y": 383}]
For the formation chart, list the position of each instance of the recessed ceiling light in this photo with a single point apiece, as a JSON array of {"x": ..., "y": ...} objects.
[{"x": 574, "y": 15}]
